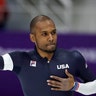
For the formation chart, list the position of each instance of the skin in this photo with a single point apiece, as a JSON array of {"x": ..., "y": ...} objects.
[
  {"x": 61, "y": 84},
  {"x": 45, "y": 38}
]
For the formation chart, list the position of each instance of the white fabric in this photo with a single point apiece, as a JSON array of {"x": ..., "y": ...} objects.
[
  {"x": 87, "y": 88},
  {"x": 8, "y": 63}
]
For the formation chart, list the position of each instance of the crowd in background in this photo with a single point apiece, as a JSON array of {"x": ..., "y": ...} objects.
[
  {"x": 3, "y": 14},
  {"x": 77, "y": 16}
]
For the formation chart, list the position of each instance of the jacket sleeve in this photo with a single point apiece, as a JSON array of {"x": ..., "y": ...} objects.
[
  {"x": 83, "y": 70},
  {"x": 11, "y": 61},
  {"x": 1, "y": 63},
  {"x": 6, "y": 62},
  {"x": 86, "y": 88}
]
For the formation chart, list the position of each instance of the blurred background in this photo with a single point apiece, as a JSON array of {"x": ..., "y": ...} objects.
[
  {"x": 76, "y": 27},
  {"x": 79, "y": 16}
]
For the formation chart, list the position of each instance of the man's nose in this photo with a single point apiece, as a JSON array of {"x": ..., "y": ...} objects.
[{"x": 50, "y": 37}]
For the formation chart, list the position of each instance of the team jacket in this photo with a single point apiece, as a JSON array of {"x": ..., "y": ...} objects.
[{"x": 33, "y": 71}]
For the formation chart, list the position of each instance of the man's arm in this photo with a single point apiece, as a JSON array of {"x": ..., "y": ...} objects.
[
  {"x": 6, "y": 62},
  {"x": 67, "y": 84},
  {"x": 86, "y": 88}
]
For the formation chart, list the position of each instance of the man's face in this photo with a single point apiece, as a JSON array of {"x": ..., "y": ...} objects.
[{"x": 45, "y": 36}]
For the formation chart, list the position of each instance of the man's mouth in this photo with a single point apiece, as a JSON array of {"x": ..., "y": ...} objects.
[{"x": 51, "y": 44}]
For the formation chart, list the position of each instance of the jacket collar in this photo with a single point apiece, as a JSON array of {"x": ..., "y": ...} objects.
[{"x": 37, "y": 56}]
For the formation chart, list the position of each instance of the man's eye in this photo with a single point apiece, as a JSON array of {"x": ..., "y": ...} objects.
[
  {"x": 53, "y": 33},
  {"x": 44, "y": 34}
]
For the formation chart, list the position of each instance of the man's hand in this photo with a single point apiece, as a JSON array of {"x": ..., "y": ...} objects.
[{"x": 61, "y": 84}]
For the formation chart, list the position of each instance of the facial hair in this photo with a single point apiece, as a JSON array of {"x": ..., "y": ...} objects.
[{"x": 47, "y": 51}]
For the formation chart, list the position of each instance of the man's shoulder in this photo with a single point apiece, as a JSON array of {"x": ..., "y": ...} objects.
[
  {"x": 62, "y": 50},
  {"x": 74, "y": 53},
  {"x": 21, "y": 53},
  {"x": 70, "y": 54},
  {"x": 18, "y": 52}
]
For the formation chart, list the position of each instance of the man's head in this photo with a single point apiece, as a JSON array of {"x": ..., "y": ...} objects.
[{"x": 43, "y": 33}]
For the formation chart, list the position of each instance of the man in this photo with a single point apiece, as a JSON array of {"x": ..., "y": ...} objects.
[
  {"x": 34, "y": 68},
  {"x": 70, "y": 84}
]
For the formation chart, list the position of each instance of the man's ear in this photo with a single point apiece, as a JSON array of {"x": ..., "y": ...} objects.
[{"x": 32, "y": 37}]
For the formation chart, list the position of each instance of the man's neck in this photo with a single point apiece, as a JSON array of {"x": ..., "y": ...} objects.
[{"x": 45, "y": 54}]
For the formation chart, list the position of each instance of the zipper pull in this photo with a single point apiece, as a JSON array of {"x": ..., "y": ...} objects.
[{"x": 48, "y": 61}]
